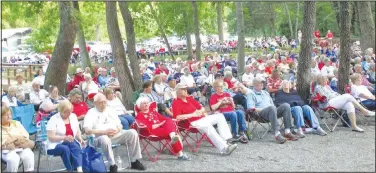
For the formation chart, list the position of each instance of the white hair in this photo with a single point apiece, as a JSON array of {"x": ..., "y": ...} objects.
[
  {"x": 228, "y": 73},
  {"x": 87, "y": 76},
  {"x": 35, "y": 82},
  {"x": 227, "y": 68},
  {"x": 141, "y": 100},
  {"x": 99, "y": 96}
]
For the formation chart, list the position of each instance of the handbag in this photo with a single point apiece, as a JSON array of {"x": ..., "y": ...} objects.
[
  {"x": 20, "y": 142},
  {"x": 92, "y": 161}
]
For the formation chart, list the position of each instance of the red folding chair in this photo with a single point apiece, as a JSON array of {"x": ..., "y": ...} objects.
[{"x": 148, "y": 139}]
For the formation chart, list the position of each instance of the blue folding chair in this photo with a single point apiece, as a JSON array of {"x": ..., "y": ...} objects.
[{"x": 25, "y": 114}]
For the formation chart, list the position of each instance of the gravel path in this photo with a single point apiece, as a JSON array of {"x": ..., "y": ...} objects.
[{"x": 341, "y": 150}]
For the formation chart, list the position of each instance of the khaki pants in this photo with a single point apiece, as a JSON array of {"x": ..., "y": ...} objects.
[{"x": 124, "y": 137}]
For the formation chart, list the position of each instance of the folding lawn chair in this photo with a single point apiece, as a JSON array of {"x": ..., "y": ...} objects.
[
  {"x": 148, "y": 139},
  {"x": 25, "y": 114}
]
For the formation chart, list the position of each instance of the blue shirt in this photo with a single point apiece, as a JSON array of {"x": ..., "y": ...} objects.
[
  {"x": 103, "y": 80},
  {"x": 259, "y": 100}
]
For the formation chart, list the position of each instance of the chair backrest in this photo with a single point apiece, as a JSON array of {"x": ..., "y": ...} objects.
[
  {"x": 25, "y": 114},
  {"x": 42, "y": 130},
  {"x": 152, "y": 105}
]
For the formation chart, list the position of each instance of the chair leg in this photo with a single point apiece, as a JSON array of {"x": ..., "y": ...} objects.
[{"x": 39, "y": 159}]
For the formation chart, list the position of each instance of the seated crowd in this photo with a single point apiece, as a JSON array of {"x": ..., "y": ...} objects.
[{"x": 178, "y": 95}]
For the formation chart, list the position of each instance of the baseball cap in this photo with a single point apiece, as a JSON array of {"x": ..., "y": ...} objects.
[{"x": 170, "y": 79}]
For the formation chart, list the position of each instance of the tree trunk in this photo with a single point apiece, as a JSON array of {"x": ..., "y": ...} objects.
[
  {"x": 197, "y": 30},
  {"x": 161, "y": 29},
  {"x": 131, "y": 43},
  {"x": 297, "y": 20},
  {"x": 85, "y": 59},
  {"x": 58, "y": 66},
  {"x": 345, "y": 46},
  {"x": 240, "y": 32},
  {"x": 97, "y": 32},
  {"x": 188, "y": 35},
  {"x": 290, "y": 23},
  {"x": 304, "y": 70},
  {"x": 220, "y": 20},
  {"x": 125, "y": 79},
  {"x": 336, "y": 9},
  {"x": 367, "y": 25},
  {"x": 353, "y": 30},
  {"x": 272, "y": 20}
]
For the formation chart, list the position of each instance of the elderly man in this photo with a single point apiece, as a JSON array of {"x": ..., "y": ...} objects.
[
  {"x": 37, "y": 95},
  {"x": 260, "y": 101},
  {"x": 190, "y": 112},
  {"x": 248, "y": 76},
  {"x": 106, "y": 126},
  {"x": 224, "y": 103}
]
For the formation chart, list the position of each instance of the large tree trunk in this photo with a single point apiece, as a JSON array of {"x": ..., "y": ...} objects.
[
  {"x": 304, "y": 70},
  {"x": 272, "y": 20},
  {"x": 58, "y": 66},
  {"x": 125, "y": 79},
  {"x": 336, "y": 9},
  {"x": 240, "y": 32},
  {"x": 85, "y": 59},
  {"x": 297, "y": 20},
  {"x": 367, "y": 25},
  {"x": 188, "y": 35},
  {"x": 131, "y": 43},
  {"x": 161, "y": 29},
  {"x": 345, "y": 46},
  {"x": 290, "y": 23},
  {"x": 220, "y": 20},
  {"x": 197, "y": 30}
]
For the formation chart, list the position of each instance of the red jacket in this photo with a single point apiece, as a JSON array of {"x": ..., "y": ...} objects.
[
  {"x": 317, "y": 34},
  {"x": 329, "y": 35}
]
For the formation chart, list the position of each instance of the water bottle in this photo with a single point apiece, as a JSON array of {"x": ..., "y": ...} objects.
[
  {"x": 91, "y": 140},
  {"x": 119, "y": 163}
]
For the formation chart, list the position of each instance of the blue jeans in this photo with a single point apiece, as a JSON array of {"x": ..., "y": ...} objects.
[
  {"x": 70, "y": 152},
  {"x": 299, "y": 112},
  {"x": 126, "y": 121},
  {"x": 236, "y": 117},
  {"x": 369, "y": 104}
]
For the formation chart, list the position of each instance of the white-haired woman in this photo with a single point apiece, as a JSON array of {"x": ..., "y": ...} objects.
[
  {"x": 64, "y": 137},
  {"x": 159, "y": 125},
  {"x": 345, "y": 101},
  {"x": 89, "y": 87},
  {"x": 10, "y": 99}
]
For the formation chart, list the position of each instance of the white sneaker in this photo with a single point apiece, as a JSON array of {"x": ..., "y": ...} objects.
[{"x": 370, "y": 114}]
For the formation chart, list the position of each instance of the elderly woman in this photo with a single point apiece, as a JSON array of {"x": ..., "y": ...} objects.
[
  {"x": 11, "y": 130},
  {"x": 113, "y": 82},
  {"x": 224, "y": 103},
  {"x": 360, "y": 91},
  {"x": 116, "y": 105},
  {"x": 89, "y": 87},
  {"x": 299, "y": 109},
  {"x": 80, "y": 108},
  {"x": 345, "y": 101},
  {"x": 154, "y": 97},
  {"x": 10, "y": 99},
  {"x": 103, "y": 78},
  {"x": 160, "y": 126},
  {"x": 327, "y": 70},
  {"x": 49, "y": 105},
  {"x": 40, "y": 77},
  {"x": 64, "y": 137}
]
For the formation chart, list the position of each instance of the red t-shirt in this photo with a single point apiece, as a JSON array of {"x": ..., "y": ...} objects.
[
  {"x": 214, "y": 99},
  {"x": 80, "y": 108},
  {"x": 321, "y": 65},
  {"x": 269, "y": 70},
  {"x": 317, "y": 34},
  {"x": 180, "y": 107},
  {"x": 68, "y": 130},
  {"x": 229, "y": 83},
  {"x": 329, "y": 35},
  {"x": 159, "y": 70}
]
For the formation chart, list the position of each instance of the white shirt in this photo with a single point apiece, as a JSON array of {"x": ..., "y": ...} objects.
[
  {"x": 356, "y": 90},
  {"x": 92, "y": 87},
  {"x": 263, "y": 75},
  {"x": 327, "y": 71},
  {"x": 57, "y": 124},
  {"x": 40, "y": 79},
  {"x": 117, "y": 106},
  {"x": 315, "y": 71},
  {"x": 95, "y": 120},
  {"x": 248, "y": 77},
  {"x": 159, "y": 88},
  {"x": 169, "y": 93},
  {"x": 187, "y": 80},
  {"x": 38, "y": 97},
  {"x": 210, "y": 79},
  {"x": 12, "y": 102}
]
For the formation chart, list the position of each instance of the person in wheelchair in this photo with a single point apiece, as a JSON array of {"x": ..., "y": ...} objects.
[
  {"x": 160, "y": 126},
  {"x": 345, "y": 101},
  {"x": 154, "y": 97},
  {"x": 299, "y": 109}
]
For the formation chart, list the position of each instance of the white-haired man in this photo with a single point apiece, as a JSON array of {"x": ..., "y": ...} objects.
[
  {"x": 37, "y": 95},
  {"x": 106, "y": 126}
]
